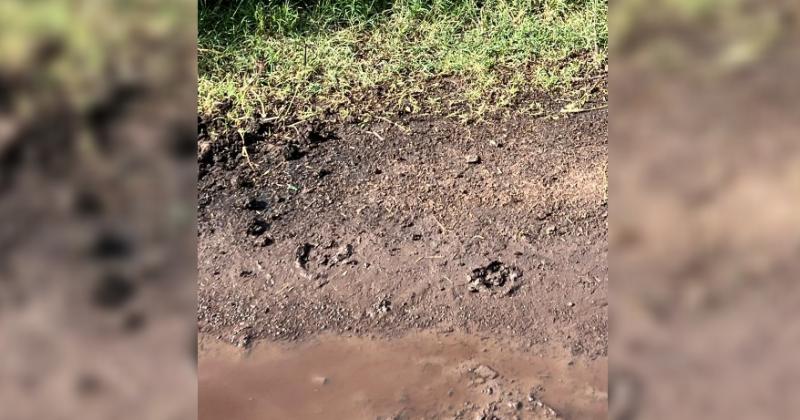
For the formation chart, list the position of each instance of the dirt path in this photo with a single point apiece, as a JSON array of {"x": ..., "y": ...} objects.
[{"x": 495, "y": 230}]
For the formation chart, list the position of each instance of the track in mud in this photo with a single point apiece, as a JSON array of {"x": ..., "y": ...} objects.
[{"x": 495, "y": 230}]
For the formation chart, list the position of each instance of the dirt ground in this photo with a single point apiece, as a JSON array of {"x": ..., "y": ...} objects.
[{"x": 386, "y": 228}]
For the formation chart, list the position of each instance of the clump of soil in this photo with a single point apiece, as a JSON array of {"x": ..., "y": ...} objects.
[
  {"x": 257, "y": 227},
  {"x": 493, "y": 276},
  {"x": 301, "y": 255}
]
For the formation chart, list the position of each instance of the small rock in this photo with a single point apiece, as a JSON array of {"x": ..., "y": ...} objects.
[
  {"x": 485, "y": 372},
  {"x": 515, "y": 405},
  {"x": 533, "y": 395},
  {"x": 570, "y": 304},
  {"x": 473, "y": 159},
  {"x": 319, "y": 380},
  {"x": 204, "y": 152}
]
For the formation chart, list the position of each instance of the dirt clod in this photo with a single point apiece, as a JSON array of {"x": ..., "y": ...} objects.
[
  {"x": 255, "y": 203},
  {"x": 301, "y": 254},
  {"x": 344, "y": 253},
  {"x": 493, "y": 275},
  {"x": 384, "y": 306},
  {"x": 242, "y": 181},
  {"x": 292, "y": 151},
  {"x": 265, "y": 241},
  {"x": 204, "y": 152},
  {"x": 320, "y": 380},
  {"x": 257, "y": 227},
  {"x": 485, "y": 372}
]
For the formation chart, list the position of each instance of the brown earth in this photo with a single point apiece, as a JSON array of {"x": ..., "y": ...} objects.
[
  {"x": 496, "y": 229},
  {"x": 421, "y": 375}
]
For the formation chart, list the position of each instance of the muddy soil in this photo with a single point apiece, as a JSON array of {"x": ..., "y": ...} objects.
[
  {"x": 418, "y": 376},
  {"x": 381, "y": 229}
]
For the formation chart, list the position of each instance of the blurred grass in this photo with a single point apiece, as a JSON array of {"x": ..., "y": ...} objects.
[
  {"x": 292, "y": 60},
  {"x": 710, "y": 37},
  {"x": 79, "y": 50}
]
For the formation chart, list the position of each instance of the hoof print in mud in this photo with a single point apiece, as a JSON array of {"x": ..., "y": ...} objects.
[{"x": 495, "y": 276}]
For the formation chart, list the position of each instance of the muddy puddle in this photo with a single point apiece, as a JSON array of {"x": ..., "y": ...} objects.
[{"x": 420, "y": 376}]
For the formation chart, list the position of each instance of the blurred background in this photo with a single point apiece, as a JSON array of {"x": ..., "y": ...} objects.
[
  {"x": 705, "y": 191},
  {"x": 97, "y": 240}
]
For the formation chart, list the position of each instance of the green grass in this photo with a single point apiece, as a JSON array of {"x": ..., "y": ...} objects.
[{"x": 289, "y": 60}]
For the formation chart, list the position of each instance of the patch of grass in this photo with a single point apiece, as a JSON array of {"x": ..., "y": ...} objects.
[{"x": 294, "y": 60}]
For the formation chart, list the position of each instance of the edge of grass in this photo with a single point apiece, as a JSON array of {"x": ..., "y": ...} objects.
[{"x": 291, "y": 60}]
